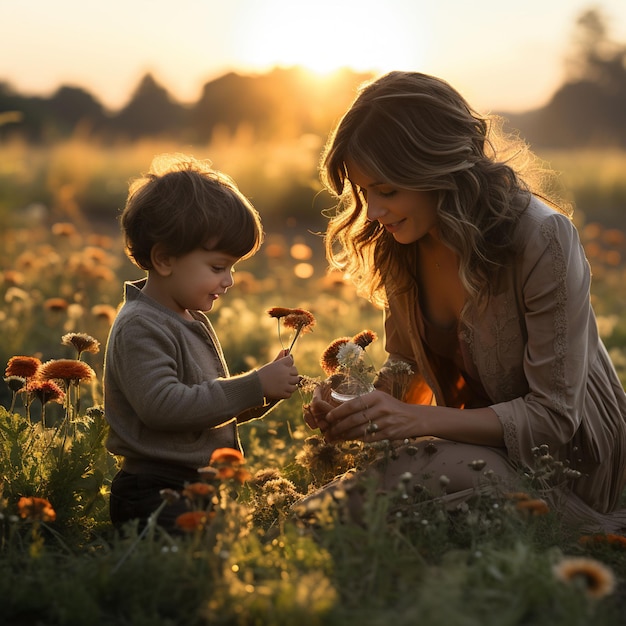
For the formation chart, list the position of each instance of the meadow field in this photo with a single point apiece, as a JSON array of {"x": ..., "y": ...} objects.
[{"x": 247, "y": 559}]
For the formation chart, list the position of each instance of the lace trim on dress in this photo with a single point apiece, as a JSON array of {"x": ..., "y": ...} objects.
[
  {"x": 560, "y": 316},
  {"x": 511, "y": 440}
]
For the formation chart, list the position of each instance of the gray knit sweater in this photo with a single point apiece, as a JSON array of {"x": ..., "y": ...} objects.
[{"x": 168, "y": 395}]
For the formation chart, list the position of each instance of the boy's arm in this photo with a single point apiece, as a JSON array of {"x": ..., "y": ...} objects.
[{"x": 256, "y": 412}]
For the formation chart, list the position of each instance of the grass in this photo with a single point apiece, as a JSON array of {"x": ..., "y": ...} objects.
[{"x": 409, "y": 560}]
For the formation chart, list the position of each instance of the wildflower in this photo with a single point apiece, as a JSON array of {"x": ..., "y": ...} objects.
[
  {"x": 46, "y": 391},
  {"x": 226, "y": 456},
  {"x": 192, "y": 521},
  {"x": 263, "y": 476},
  {"x": 23, "y": 366},
  {"x": 171, "y": 496},
  {"x": 364, "y": 338},
  {"x": 608, "y": 539},
  {"x": 595, "y": 578},
  {"x": 67, "y": 370},
  {"x": 198, "y": 490},
  {"x": 64, "y": 229},
  {"x": 534, "y": 506},
  {"x": 517, "y": 495},
  {"x": 298, "y": 320},
  {"x": 15, "y": 383},
  {"x": 328, "y": 360},
  {"x": 105, "y": 312},
  {"x": 278, "y": 312},
  {"x": 208, "y": 473},
  {"x": 56, "y": 304},
  {"x": 36, "y": 509},
  {"x": 13, "y": 277},
  {"x": 477, "y": 465},
  {"x": 82, "y": 342}
]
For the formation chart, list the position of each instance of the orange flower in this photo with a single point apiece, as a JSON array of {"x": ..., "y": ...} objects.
[
  {"x": 46, "y": 391},
  {"x": 105, "y": 312},
  {"x": 82, "y": 342},
  {"x": 609, "y": 539},
  {"x": 24, "y": 366},
  {"x": 596, "y": 578},
  {"x": 328, "y": 360},
  {"x": 56, "y": 304},
  {"x": 227, "y": 456},
  {"x": 517, "y": 495},
  {"x": 36, "y": 509},
  {"x": 299, "y": 319},
  {"x": 240, "y": 474},
  {"x": 536, "y": 506},
  {"x": 64, "y": 229},
  {"x": 278, "y": 312},
  {"x": 194, "y": 520},
  {"x": 68, "y": 370},
  {"x": 364, "y": 338},
  {"x": 194, "y": 490}
]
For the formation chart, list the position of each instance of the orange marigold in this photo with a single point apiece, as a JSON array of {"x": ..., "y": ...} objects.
[
  {"x": 70, "y": 370},
  {"x": 56, "y": 304},
  {"x": 36, "y": 509},
  {"x": 328, "y": 360},
  {"x": 597, "y": 579},
  {"x": 195, "y": 490},
  {"x": 46, "y": 391},
  {"x": 609, "y": 539},
  {"x": 299, "y": 319},
  {"x": 279, "y": 311},
  {"x": 24, "y": 366},
  {"x": 194, "y": 520},
  {"x": 536, "y": 506},
  {"x": 364, "y": 338},
  {"x": 227, "y": 456},
  {"x": 105, "y": 312}
]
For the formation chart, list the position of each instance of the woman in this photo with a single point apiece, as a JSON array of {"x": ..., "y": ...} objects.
[{"x": 485, "y": 287}]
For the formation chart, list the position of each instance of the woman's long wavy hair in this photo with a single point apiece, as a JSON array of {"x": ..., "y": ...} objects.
[{"x": 415, "y": 131}]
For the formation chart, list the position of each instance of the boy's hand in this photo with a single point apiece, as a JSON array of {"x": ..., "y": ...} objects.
[{"x": 280, "y": 378}]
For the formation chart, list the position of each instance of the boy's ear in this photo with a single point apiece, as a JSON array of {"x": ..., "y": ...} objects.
[{"x": 161, "y": 259}]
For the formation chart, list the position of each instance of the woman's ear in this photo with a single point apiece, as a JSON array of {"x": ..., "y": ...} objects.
[{"x": 161, "y": 259}]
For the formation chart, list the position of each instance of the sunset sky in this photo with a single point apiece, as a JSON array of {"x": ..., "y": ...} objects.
[{"x": 501, "y": 55}]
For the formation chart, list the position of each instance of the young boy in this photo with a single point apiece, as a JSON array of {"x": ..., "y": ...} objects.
[{"x": 168, "y": 396}]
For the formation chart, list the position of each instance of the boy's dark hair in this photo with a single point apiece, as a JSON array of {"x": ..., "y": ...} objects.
[{"x": 184, "y": 204}]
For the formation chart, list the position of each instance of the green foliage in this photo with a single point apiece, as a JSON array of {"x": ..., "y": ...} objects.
[{"x": 404, "y": 560}]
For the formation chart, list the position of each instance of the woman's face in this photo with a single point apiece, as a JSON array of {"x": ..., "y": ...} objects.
[{"x": 407, "y": 214}]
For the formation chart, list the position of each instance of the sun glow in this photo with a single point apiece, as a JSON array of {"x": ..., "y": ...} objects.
[{"x": 327, "y": 36}]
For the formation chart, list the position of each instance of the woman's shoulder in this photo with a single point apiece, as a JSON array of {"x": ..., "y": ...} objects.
[{"x": 540, "y": 223}]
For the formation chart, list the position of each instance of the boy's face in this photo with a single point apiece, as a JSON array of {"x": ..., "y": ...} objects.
[{"x": 198, "y": 278}]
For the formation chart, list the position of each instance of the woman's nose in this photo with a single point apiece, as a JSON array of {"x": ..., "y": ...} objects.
[{"x": 374, "y": 210}]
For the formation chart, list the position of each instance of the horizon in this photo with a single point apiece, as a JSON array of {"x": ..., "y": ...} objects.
[{"x": 500, "y": 58}]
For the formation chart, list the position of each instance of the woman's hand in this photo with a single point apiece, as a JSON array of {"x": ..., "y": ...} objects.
[
  {"x": 315, "y": 412},
  {"x": 373, "y": 416}
]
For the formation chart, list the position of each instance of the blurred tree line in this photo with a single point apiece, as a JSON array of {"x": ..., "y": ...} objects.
[
  {"x": 588, "y": 110},
  {"x": 284, "y": 102}
]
